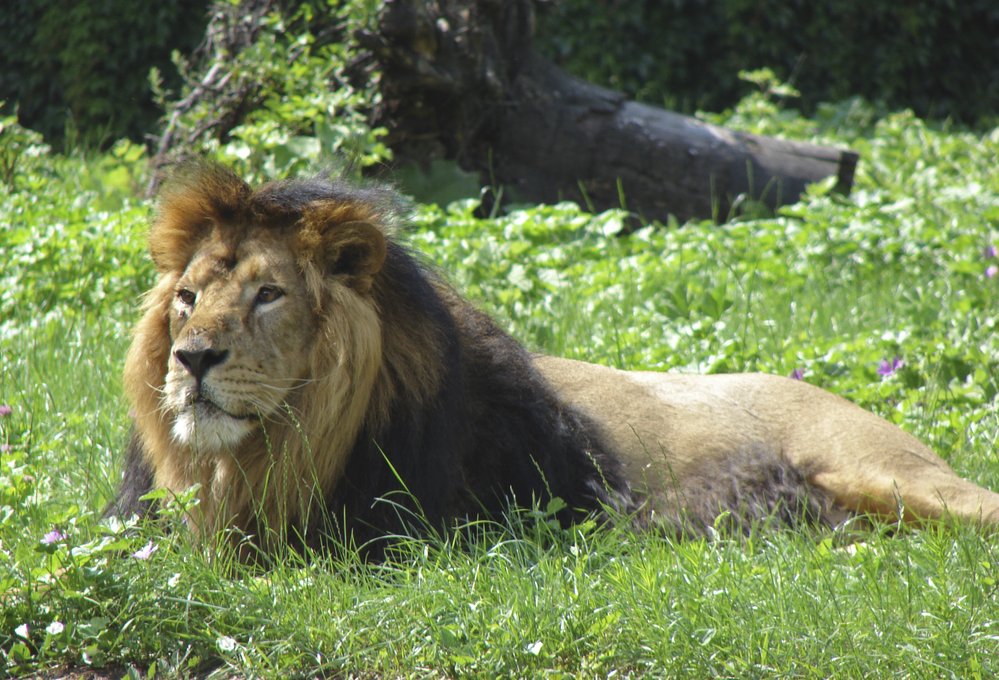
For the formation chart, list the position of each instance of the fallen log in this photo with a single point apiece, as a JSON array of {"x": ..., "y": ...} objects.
[{"x": 461, "y": 80}]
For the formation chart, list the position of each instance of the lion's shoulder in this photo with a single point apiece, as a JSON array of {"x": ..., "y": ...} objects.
[{"x": 492, "y": 432}]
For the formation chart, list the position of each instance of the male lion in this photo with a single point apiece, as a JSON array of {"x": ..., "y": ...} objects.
[{"x": 304, "y": 368}]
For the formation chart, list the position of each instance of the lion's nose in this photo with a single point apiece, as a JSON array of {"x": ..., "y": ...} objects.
[{"x": 198, "y": 361}]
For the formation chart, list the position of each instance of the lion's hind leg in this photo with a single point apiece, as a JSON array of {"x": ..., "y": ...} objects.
[
  {"x": 866, "y": 464},
  {"x": 910, "y": 493}
]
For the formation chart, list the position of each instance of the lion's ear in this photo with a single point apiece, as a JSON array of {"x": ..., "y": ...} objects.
[
  {"x": 342, "y": 239},
  {"x": 355, "y": 249}
]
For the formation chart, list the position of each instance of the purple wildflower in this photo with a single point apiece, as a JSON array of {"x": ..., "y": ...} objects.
[
  {"x": 888, "y": 368},
  {"x": 991, "y": 271},
  {"x": 798, "y": 374},
  {"x": 5, "y": 410},
  {"x": 145, "y": 552},
  {"x": 53, "y": 536},
  {"x": 5, "y": 448},
  {"x": 990, "y": 251}
]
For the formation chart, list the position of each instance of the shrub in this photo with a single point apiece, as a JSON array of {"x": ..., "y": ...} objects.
[
  {"x": 928, "y": 55},
  {"x": 86, "y": 65}
]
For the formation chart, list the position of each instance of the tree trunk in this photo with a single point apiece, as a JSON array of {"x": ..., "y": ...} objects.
[{"x": 461, "y": 80}]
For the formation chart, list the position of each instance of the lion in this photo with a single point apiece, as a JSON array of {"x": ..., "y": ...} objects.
[{"x": 313, "y": 379}]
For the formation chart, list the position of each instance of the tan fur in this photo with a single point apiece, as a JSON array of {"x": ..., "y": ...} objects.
[{"x": 669, "y": 426}]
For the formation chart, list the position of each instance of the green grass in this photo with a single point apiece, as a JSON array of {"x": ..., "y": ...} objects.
[{"x": 832, "y": 286}]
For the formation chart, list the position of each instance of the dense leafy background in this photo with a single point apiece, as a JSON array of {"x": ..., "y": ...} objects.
[
  {"x": 83, "y": 68},
  {"x": 832, "y": 286},
  {"x": 937, "y": 57}
]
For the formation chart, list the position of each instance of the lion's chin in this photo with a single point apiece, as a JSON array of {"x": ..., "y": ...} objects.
[{"x": 206, "y": 428}]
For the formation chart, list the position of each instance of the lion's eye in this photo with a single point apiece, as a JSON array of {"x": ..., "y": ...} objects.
[
  {"x": 187, "y": 296},
  {"x": 268, "y": 294}
]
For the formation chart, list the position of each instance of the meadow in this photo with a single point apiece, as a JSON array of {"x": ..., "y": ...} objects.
[{"x": 886, "y": 296}]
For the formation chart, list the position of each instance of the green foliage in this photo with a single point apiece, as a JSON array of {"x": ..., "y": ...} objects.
[
  {"x": 934, "y": 56},
  {"x": 657, "y": 52},
  {"x": 84, "y": 65},
  {"x": 835, "y": 287},
  {"x": 295, "y": 82},
  {"x": 440, "y": 182},
  {"x": 64, "y": 212},
  {"x": 18, "y": 147}
]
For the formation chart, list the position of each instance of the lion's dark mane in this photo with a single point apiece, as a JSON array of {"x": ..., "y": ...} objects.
[{"x": 495, "y": 432}]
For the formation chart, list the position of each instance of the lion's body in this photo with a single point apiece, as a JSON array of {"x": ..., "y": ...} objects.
[
  {"x": 678, "y": 428},
  {"x": 299, "y": 365}
]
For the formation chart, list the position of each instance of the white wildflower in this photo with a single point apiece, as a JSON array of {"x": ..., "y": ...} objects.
[{"x": 145, "y": 552}]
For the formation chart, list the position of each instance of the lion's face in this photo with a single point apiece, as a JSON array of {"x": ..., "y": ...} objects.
[
  {"x": 240, "y": 326},
  {"x": 253, "y": 369}
]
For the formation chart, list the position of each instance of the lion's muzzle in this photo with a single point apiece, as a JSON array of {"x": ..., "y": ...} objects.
[
  {"x": 198, "y": 361},
  {"x": 206, "y": 415}
]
